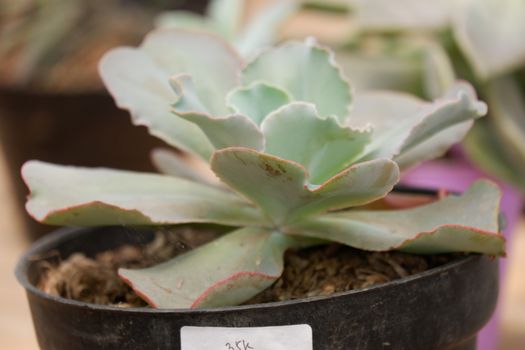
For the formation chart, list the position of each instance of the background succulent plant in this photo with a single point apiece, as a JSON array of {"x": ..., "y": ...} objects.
[
  {"x": 295, "y": 150},
  {"x": 426, "y": 45},
  {"x": 226, "y": 18},
  {"x": 61, "y": 54}
]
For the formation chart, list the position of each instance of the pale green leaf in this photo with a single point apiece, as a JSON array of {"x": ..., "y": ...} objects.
[
  {"x": 392, "y": 115},
  {"x": 227, "y": 271},
  {"x": 466, "y": 223},
  {"x": 433, "y": 147},
  {"x": 222, "y": 131},
  {"x": 402, "y": 122},
  {"x": 490, "y": 33},
  {"x": 140, "y": 86},
  {"x": 64, "y": 195},
  {"x": 187, "y": 99},
  {"x": 213, "y": 64},
  {"x": 138, "y": 79},
  {"x": 281, "y": 188},
  {"x": 307, "y": 72},
  {"x": 230, "y": 131},
  {"x": 184, "y": 20},
  {"x": 257, "y": 100},
  {"x": 322, "y": 145},
  {"x": 402, "y": 15},
  {"x": 226, "y": 15}
]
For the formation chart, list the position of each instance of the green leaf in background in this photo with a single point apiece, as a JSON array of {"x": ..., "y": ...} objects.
[
  {"x": 381, "y": 71},
  {"x": 262, "y": 30},
  {"x": 507, "y": 104},
  {"x": 402, "y": 15},
  {"x": 226, "y": 15},
  {"x": 185, "y": 20},
  {"x": 225, "y": 18},
  {"x": 490, "y": 34},
  {"x": 438, "y": 71},
  {"x": 484, "y": 148}
]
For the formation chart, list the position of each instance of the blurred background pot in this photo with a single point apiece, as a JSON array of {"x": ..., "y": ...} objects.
[
  {"x": 83, "y": 129},
  {"x": 53, "y": 106}
]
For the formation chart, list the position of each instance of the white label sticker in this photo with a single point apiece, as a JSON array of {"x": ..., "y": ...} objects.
[{"x": 296, "y": 337}]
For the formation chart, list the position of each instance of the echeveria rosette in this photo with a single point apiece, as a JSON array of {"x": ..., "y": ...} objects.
[{"x": 292, "y": 147}]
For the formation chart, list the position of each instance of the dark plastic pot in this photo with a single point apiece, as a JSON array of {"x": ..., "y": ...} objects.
[
  {"x": 74, "y": 129},
  {"x": 442, "y": 308}
]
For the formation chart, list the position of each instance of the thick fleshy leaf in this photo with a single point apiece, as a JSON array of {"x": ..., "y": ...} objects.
[
  {"x": 138, "y": 80},
  {"x": 64, "y": 195},
  {"x": 183, "y": 165},
  {"x": 141, "y": 87},
  {"x": 433, "y": 147},
  {"x": 222, "y": 131},
  {"x": 257, "y": 100},
  {"x": 213, "y": 64},
  {"x": 227, "y": 271},
  {"x": 490, "y": 33},
  {"x": 230, "y": 131},
  {"x": 402, "y": 122},
  {"x": 307, "y": 72},
  {"x": 386, "y": 15},
  {"x": 187, "y": 99},
  {"x": 467, "y": 223},
  {"x": 322, "y": 145},
  {"x": 280, "y": 187},
  {"x": 262, "y": 29}
]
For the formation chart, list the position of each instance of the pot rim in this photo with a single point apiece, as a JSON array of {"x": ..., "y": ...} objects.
[{"x": 67, "y": 233}]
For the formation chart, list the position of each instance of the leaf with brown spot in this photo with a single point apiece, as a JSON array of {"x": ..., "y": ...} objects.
[{"x": 281, "y": 188}]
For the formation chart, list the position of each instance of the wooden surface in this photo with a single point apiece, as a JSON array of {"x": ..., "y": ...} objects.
[{"x": 16, "y": 330}]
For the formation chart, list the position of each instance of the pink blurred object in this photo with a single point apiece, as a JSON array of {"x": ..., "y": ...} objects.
[{"x": 456, "y": 175}]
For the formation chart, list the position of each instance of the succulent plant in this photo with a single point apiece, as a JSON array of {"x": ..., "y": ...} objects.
[
  {"x": 423, "y": 48},
  {"x": 293, "y": 154}
]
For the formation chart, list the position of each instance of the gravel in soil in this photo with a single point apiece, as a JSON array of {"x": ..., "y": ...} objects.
[{"x": 316, "y": 271}]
